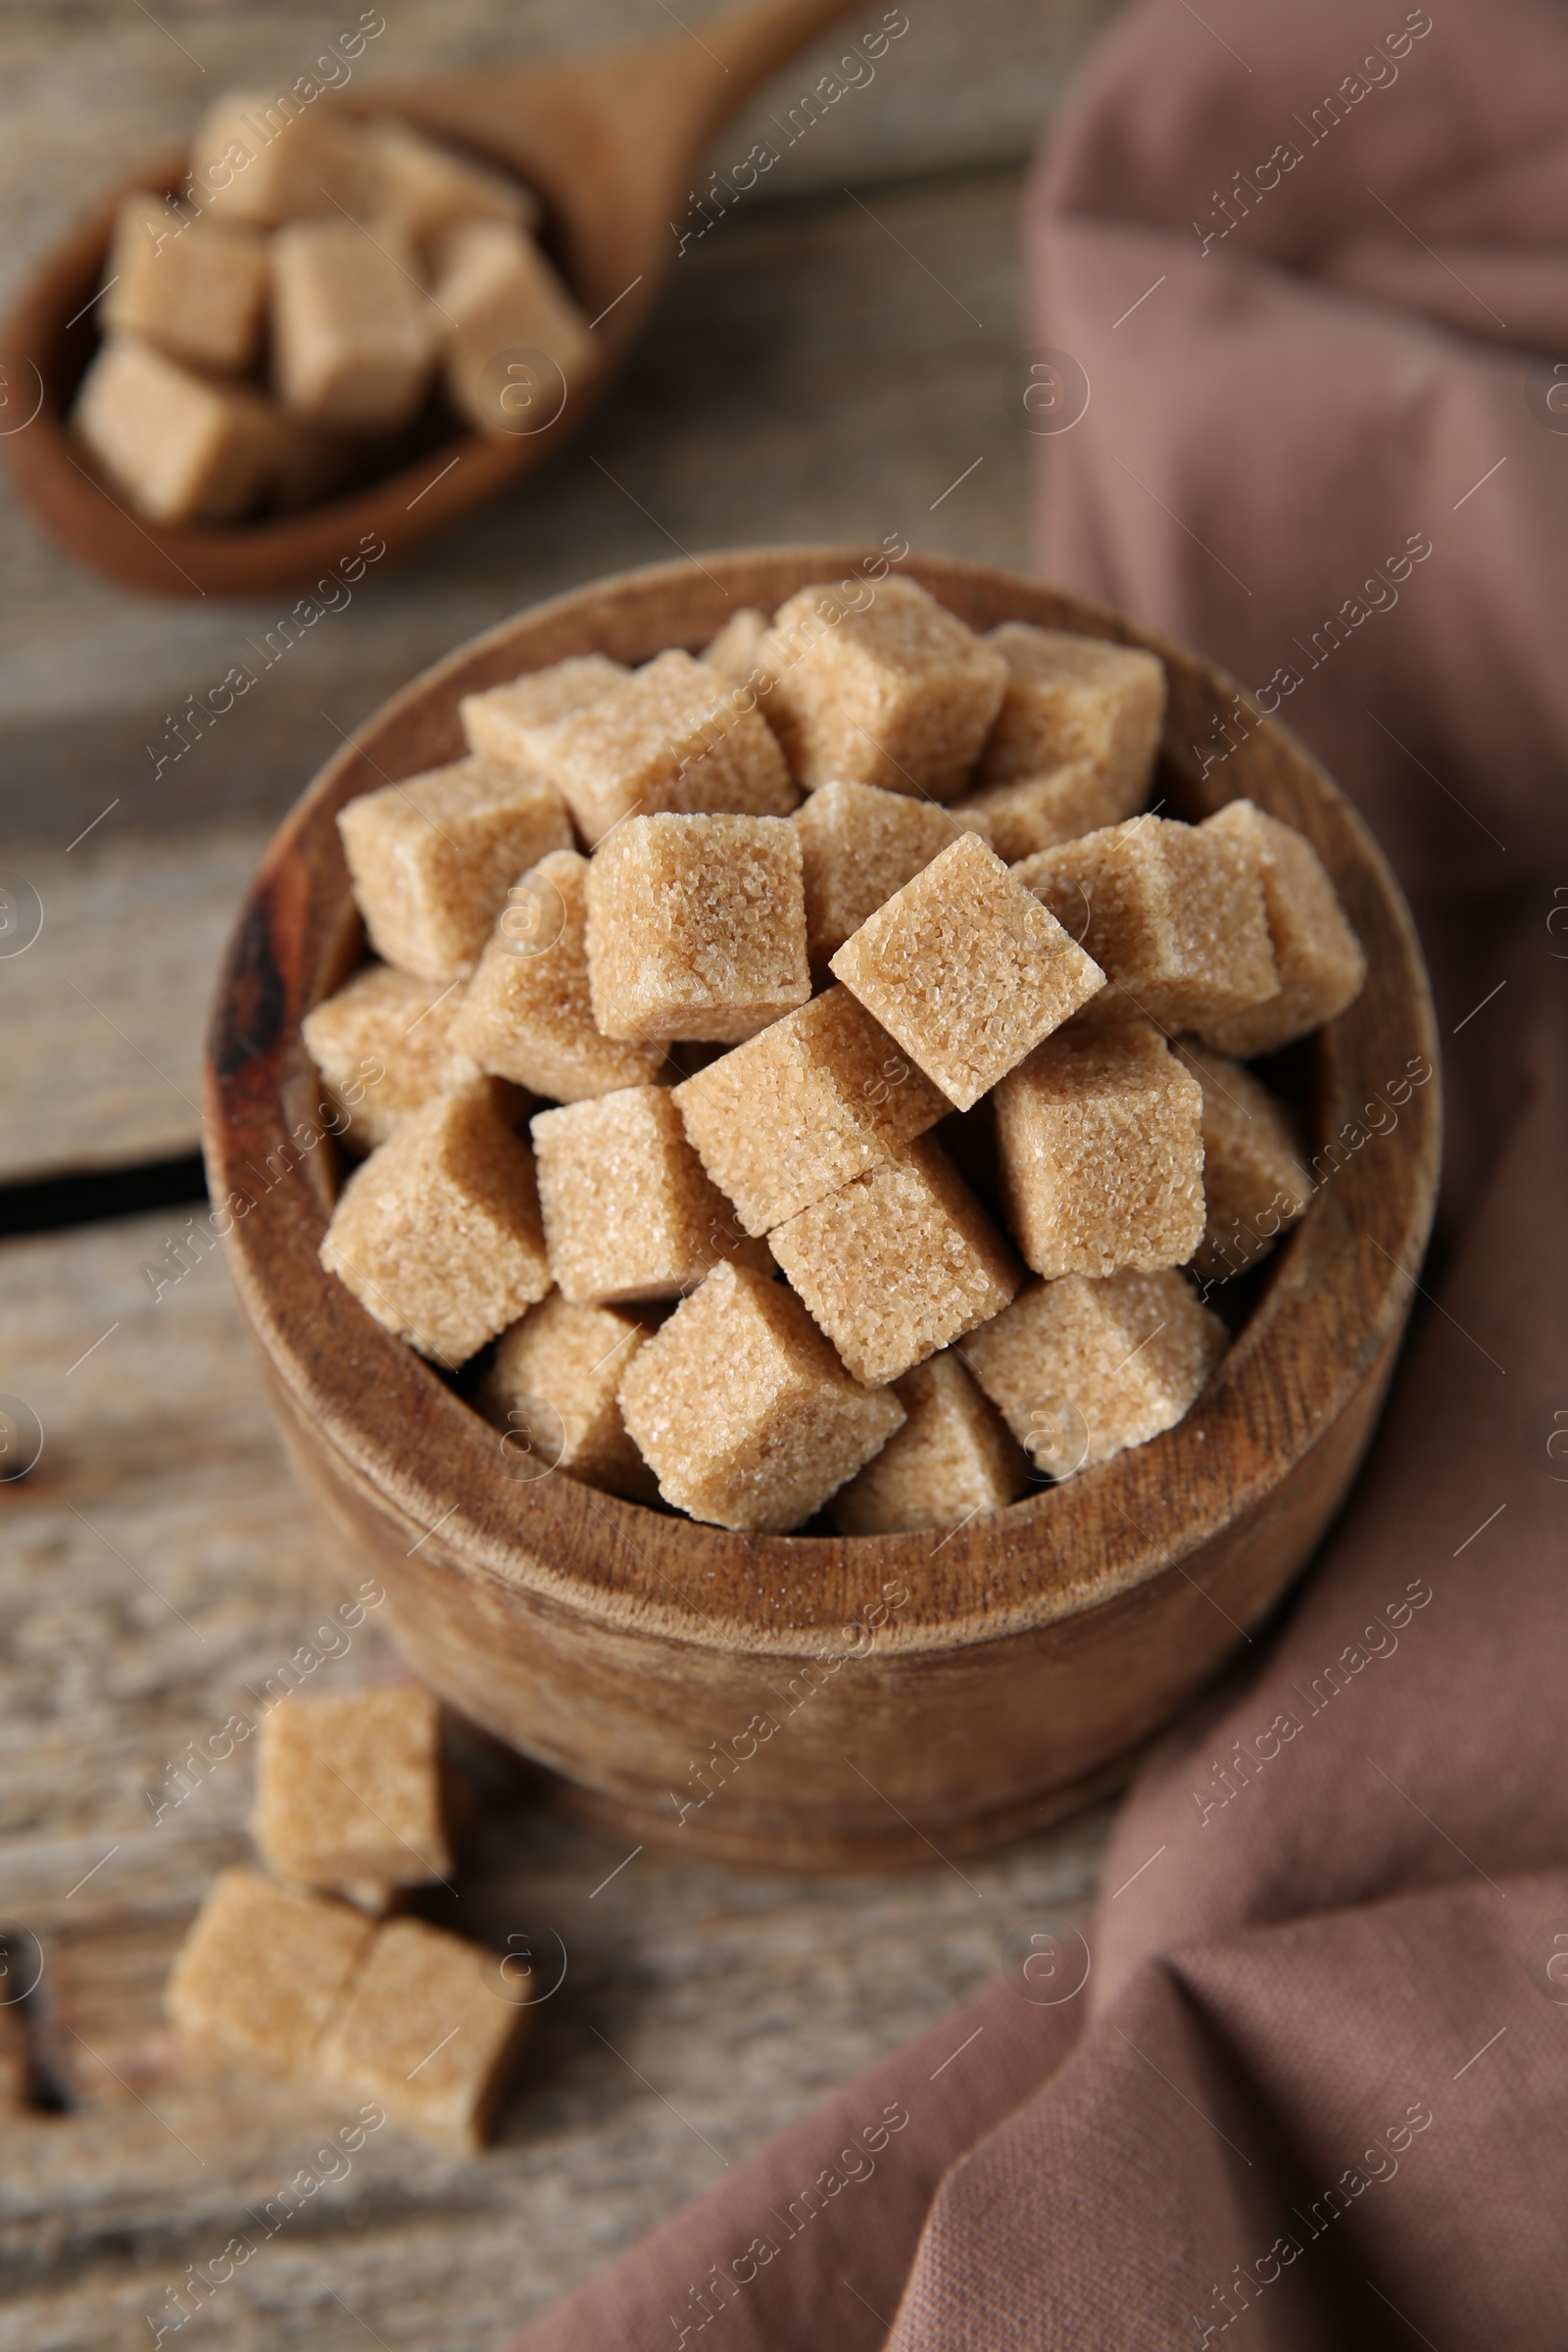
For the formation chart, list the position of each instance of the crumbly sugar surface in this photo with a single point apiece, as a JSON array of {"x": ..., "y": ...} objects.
[
  {"x": 859, "y": 845},
  {"x": 897, "y": 1263},
  {"x": 349, "y": 1788},
  {"x": 1036, "y": 812},
  {"x": 198, "y": 292},
  {"x": 552, "y": 1389},
  {"x": 383, "y": 1047},
  {"x": 677, "y": 736},
  {"x": 954, "y": 1458},
  {"x": 263, "y": 1970},
  {"x": 1099, "y": 1146},
  {"x": 957, "y": 968},
  {"x": 528, "y": 1015},
  {"x": 438, "y": 1234},
  {"x": 432, "y": 859},
  {"x": 745, "y": 1413},
  {"x": 354, "y": 335},
  {"x": 504, "y": 724},
  {"x": 737, "y": 648},
  {"x": 1321, "y": 961},
  {"x": 628, "y": 1211},
  {"x": 881, "y": 685},
  {"x": 428, "y": 2031},
  {"x": 697, "y": 928},
  {"x": 1072, "y": 698},
  {"x": 1254, "y": 1180},
  {"x": 179, "y": 448},
  {"x": 814, "y": 1100},
  {"x": 1082, "y": 1368},
  {"x": 1173, "y": 914}
]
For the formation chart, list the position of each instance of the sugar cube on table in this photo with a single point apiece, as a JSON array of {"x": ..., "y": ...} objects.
[
  {"x": 552, "y": 1391},
  {"x": 197, "y": 289},
  {"x": 438, "y": 1233},
  {"x": 897, "y": 1263},
  {"x": 880, "y": 685},
  {"x": 1253, "y": 1181},
  {"x": 1320, "y": 961},
  {"x": 744, "y": 1414},
  {"x": 819, "y": 1096},
  {"x": 628, "y": 1212},
  {"x": 267, "y": 159},
  {"x": 430, "y": 2030},
  {"x": 503, "y": 723},
  {"x": 676, "y": 736},
  {"x": 954, "y": 1458},
  {"x": 859, "y": 845},
  {"x": 1100, "y": 1146},
  {"x": 1083, "y": 1367},
  {"x": 178, "y": 447},
  {"x": 737, "y": 648},
  {"x": 962, "y": 973},
  {"x": 349, "y": 1793},
  {"x": 425, "y": 187},
  {"x": 432, "y": 859},
  {"x": 383, "y": 1047},
  {"x": 1036, "y": 812},
  {"x": 508, "y": 311},
  {"x": 697, "y": 928},
  {"x": 1173, "y": 914},
  {"x": 263, "y": 1970},
  {"x": 353, "y": 332},
  {"x": 528, "y": 1015},
  {"x": 1072, "y": 698}
]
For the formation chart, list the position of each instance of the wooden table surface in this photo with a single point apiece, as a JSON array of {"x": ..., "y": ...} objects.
[{"x": 830, "y": 365}]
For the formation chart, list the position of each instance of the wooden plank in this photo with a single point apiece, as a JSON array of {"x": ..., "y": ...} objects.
[{"x": 157, "y": 1567}]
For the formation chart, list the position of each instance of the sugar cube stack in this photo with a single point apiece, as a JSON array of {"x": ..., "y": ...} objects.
[{"x": 739, "y": 1273}]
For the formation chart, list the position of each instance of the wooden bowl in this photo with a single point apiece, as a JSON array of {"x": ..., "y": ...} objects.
[{"x": 811, "y": 1702}]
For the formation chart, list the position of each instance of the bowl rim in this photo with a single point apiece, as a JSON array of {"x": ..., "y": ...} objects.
[{"x": 1057, "y": 1553}]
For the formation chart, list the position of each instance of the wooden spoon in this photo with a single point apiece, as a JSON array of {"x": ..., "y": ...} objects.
[{"x": 607, "y": 141}]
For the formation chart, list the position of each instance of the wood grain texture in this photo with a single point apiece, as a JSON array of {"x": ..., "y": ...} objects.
[
  {"x": 1030, "y": 1648},
  {"x": 155, "y": 1572}
]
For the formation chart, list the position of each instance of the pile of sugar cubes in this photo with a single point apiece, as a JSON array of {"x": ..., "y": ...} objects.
[
  {"x": 267, "y": 340},
  {"x": 805, "y": 944},
  {"x": 305, "y": 1973}
]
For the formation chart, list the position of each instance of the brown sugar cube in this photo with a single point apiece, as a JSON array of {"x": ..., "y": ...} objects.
[
  {"x": 1254, "y": 1182},
  {"x": 430, "y": 2030},
  {"x": 438, "y": 1234},
  {"x": 859, "y": 845},
  {"x": 628, "y": 1212},
  {"x": 434, "y": 857},
  {"x": 737, "y": 650},
  {"x": 528, "y": 1015},
  {"x": 1036, "y": 812},
  {"x": 1076, "y": 697},
  {"x": 505, "y": 302},
  {"x": 263, "y": 1970},
  {"x": 897, "y": 1263},
  {"x": 1099, "y": 1146},
  {"x": 884, "y": 686},
  {"x": 676, "y": 736},
  {"x": 957, "y": 969},
  {"x": 817, "y": 1098},
  {"x": 1081, "y": 1369},
  {"x": 354, "y": 334},
  {"x": 195, "y": 289},
  {"x": 502, "y": 724},
  {"x": 1320, "y": 962},
  {"x": 383, "y": 1047},
  {"x": 953, "y": 1458},
  {"x": 697, "y": 928},
  {"x": 1173, "y": 914},
  {"x": 269, "y": 158},
  {"x": 744, "y": 1413},
  {"x": 349, "y": 1791},
  {"x": 176, "y": 447},
  {"x": 425, "y": 187},
  {"x": 552, "y": 1386}
]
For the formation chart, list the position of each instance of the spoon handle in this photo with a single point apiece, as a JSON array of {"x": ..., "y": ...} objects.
[{"x": 752, "y": 39}]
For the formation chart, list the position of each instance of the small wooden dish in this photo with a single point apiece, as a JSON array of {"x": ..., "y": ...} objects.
[{"x": 944, "y": 1691}]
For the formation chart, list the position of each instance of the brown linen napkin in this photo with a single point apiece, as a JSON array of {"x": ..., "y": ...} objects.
[{"x": 1315, "y": 2091}]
